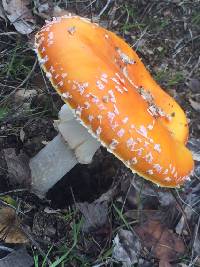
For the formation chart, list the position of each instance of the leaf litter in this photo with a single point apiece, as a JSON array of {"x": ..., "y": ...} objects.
[
  {"x": 127, "y": 248},
  {"x": 20, "y": 15},
  {"x": 17, "y": 258},
  {"x": 18, "y": 168},
  {"x": 160, "y": 241}
]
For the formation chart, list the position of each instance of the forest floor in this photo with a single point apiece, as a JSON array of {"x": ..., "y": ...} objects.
[{"x": 99, "y": 214}]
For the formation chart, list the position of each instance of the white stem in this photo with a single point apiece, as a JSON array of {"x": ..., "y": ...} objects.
[
  {"x": 50, "y": 165},
  {"x": 72, "y": 145}
]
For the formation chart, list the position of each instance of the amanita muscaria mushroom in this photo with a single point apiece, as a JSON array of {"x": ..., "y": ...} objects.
[{"x": 113, "y": 95}]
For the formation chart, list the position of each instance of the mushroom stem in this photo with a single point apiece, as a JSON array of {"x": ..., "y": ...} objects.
[
  {"x": 72, "y": 145},
  {"x": 50, "y": 165}
]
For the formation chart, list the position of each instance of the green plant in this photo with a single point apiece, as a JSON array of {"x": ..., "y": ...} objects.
[
  {"x": 75, "y": 234},
  {"x": 3, "y": 113}
]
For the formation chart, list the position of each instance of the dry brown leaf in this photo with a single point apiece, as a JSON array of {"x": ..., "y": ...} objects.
[
  {"x": 10, "y": 231},
  {"x": 163, "y": 243},
  {"x": 18, "y": 168},
  {"x": 20, "y": 15}
]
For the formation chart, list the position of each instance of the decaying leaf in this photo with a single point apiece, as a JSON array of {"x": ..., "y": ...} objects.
[
  {"x": 194, "y": 85},
  {"x": 10, "y": 231},
  {"x": 148, "y": 189},
  {"x": 195, "y": 105},
  {"x": 2, "y": 15},
  {"x": 160, "y": 241},
  {"x": 186, "y": 217},
  {"x": 9, "y": 200},
  {"x": 196, "y": 245},
  {"x": 18, "y": 258},
  {"x": 24, "y": 95},
  {"x": 18, "y": 167},
  {"x": 57, "y": 12},
  {"x": 127, "y": 248},
  {"x": 48, "y": 9},
  {"x": 95, "y": 215},
  {"x": 194, "y": 146},
  {"x": 20, "y": 15}
]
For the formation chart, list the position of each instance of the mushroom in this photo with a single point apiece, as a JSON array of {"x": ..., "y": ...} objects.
[
  {"x": 113, "y": 96},
  {"x": 72, "y": 145}
]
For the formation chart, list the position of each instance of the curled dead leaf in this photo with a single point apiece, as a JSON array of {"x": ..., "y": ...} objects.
[
  {"x": 10, "y": 231},
  {"x": 19, "y": 15},
  {"x": 127, "y": 248},
  {"x": 163, "y": 243}
]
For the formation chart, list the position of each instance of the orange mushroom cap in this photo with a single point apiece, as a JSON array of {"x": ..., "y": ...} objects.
[{"x": 105, "y": 83}]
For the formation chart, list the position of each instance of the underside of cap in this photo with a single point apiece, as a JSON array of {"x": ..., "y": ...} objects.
[{"x": 115, "y": 98}]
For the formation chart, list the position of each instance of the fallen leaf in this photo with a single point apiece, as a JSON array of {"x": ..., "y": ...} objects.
[
  {"x": 43, "y": 7},
  {"x": 18, "y": 258},
  {"x": 2, "y": 14},
  {"x": 18, "y": 167},
  {"x": 10, "y": 231},
  {"x": 49, "y": 226},
  {"x": 194, "y": 85},
  {"x": 57, "y": 12},
  {"x": 196, "y": 245},
  {"x": 127, "y": 248},
  {"x": 22, "y": 135},
  {"x": 194, "y": 145},
  {"x": 20, "y": 15},
  {"x": 197, "y": 169},
  {"x": 184, "y": 218},
  {"x": 95, "y": 215},
  {"x": 24, "y": 95},
  {"x": 9, "y": 200},
  {"x": 162, "y": 242},
  {"x": 195, "y": 105},
  {"x": 142, "y": 186},
  {"x": 154, "y": 193}
]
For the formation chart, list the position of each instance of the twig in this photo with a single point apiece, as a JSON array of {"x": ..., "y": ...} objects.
[
  {"x": 181, "y": 209},
  {"x": 6, "y": 249},
  {"x": 195, "y": 67},
  {"x": 136, "y": 44},
  {"x": 4, "y": 203},
  {"x": 195, "y": 238},
  {"x": 21, "y": 84},
  {"x": 184, "y": 202},
  {"x": 13, "y": 191},
  {"x": 9, "y": 33},
  {"x": 178, "y": 50},
  {"x": 35, "y": 243},
  {"x": 105, "y": 7}
]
